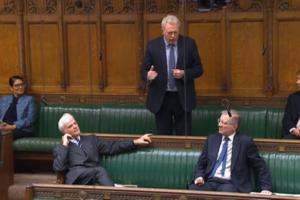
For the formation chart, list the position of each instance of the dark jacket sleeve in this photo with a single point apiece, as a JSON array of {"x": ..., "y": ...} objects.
[
  {"x": 291, "y": 113},
  {"x": 60, "y": 162},
  {"x": 202, "y": 163},
  {"x": 259, "y": 166},
  {"x": 110, "y": 147},
  {"x": 195, "y": 70}
]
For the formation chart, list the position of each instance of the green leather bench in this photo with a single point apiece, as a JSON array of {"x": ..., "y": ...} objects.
[
  {"x": 173, "y": 168},
  {"x": 257, "y": 122}
]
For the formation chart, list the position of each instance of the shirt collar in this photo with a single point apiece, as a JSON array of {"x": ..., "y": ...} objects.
[
  {"x": 231, "y": 137},
  {"x": 167, "y": 44}
]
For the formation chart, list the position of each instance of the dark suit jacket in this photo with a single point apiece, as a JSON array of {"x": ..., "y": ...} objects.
[
  {"x": 188, "y": 60},
  {"x": 73, "y": 160},
  {"x": 292, "y": 112},
  {"x": 244, "y": 157}
]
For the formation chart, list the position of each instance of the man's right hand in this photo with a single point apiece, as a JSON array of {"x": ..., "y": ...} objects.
[
  {"x": 151, "y": 75},
  {"x": 296, "y": 132},
  {"x": 199, "y": 181},
  {"x": 66, "y": 139}
]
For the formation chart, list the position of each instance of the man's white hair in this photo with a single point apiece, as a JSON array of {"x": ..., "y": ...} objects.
[
  {"x": 65, "y": 118},
  {"x": 172, "y": 19}
]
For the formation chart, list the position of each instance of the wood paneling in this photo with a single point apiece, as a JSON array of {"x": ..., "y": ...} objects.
[
  {"x": 9, "y": 53},
  {"x": 208, "y": 36},
  {"x": 83, "y": 64},
  {"x": 246, "y": 59},
  {"x": 121, "y": 58},
  {"x": 44, "y": 58},
  {"x": 249, "y": 48}
]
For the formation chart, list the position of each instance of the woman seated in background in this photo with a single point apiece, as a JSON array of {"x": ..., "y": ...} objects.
[
  {"x": 291, "y": 118},
  {"x": 17, "y": 111}
]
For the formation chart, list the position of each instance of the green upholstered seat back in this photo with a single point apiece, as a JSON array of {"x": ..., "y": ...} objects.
[
  {"x": 204, "y": 120},
  {"x": 285, "y": 173},
  {"x": 157, "y": 168},
  {"x": 274, "y": 122},
  {"x": 136, "y": 119},
  {"x": 88, "y": 117},
  {"x": 253, "y": 120},
  {"x": 133, "y": 119}
]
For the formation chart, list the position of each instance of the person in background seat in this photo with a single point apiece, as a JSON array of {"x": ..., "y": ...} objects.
[
  {"x": 291, "y": 118},
  {"x": 18, "y": 110}
]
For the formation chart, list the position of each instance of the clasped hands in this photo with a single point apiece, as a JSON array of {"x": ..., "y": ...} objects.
[
  {"x": 152, "y": 74},
  {"x": 6, "y": 128}
]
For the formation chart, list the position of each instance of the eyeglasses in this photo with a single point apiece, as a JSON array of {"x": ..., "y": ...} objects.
[{"x": 19, "y": 85}]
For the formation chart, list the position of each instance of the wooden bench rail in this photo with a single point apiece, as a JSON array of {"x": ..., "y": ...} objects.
[{"x": 58, "y": 191}]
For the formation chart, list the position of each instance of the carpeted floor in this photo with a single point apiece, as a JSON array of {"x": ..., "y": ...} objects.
[{"x": 17, "y": 191}]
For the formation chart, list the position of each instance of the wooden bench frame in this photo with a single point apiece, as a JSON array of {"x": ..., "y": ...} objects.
[{"x": 60, "y": 191}]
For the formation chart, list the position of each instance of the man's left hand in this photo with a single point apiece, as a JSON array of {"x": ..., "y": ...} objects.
[
  {"x": 144, "y": 140},
  {"x": 178, "y": 73}
]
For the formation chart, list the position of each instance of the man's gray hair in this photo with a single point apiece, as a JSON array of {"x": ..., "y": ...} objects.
[
  {"x": 235, "y": 116},
  {"x": 65, "y": 118},
  {"x": 169, "y": 19}
]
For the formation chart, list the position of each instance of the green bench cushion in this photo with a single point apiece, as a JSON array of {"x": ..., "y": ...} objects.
[{"x": 39, "y": 145}]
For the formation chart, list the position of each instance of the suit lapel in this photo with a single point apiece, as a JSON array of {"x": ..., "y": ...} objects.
[
  {"x": 216, "y": 147},
  {"x": 162, "y": 49},
  {"x": 235, "y": 149},
  {"x": 180, "y": 53}
]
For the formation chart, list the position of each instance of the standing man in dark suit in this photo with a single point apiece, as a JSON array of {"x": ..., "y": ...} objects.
[
  {"x": 79, "y": 156},
  {"x": 170, "y": 66},
  {"x": 291, "y": 118},
  {"x": 227, "y": 158}
]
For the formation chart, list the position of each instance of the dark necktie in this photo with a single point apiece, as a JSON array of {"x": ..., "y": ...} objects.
[
  {"x": 222, "y": 159},
  {"x": 171, "y": 79},
  {"x": 78, "y": 142}
]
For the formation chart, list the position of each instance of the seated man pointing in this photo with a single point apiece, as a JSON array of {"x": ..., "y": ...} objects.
[{"x": 79, "y": 156}]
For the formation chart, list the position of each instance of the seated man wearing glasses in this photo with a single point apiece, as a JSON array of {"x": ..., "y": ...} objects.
[
  {"x": 17, "y": 111},
  {"x": 227, "y": 159}
]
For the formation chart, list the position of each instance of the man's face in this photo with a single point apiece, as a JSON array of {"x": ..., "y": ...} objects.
[
  {"x": 18, "y": 88},
  {"x": 171, "y": 32},
  {"x": 72, "y": 128},
  {"x": 298, "y": 81},
  {"x": 226, "y": 128}
]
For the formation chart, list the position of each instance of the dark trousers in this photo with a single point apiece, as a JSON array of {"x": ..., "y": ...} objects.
[
  {"x": 20, "y": 134},
  {"x": 94, "y": 176},
  {"x": 171, "y": 118},
  {"x": 290, "y": 136},
  {"x": 215, "y": 184}
]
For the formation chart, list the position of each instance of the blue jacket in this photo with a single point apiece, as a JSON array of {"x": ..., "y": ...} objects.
[{"x": 26, "y": 111}]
